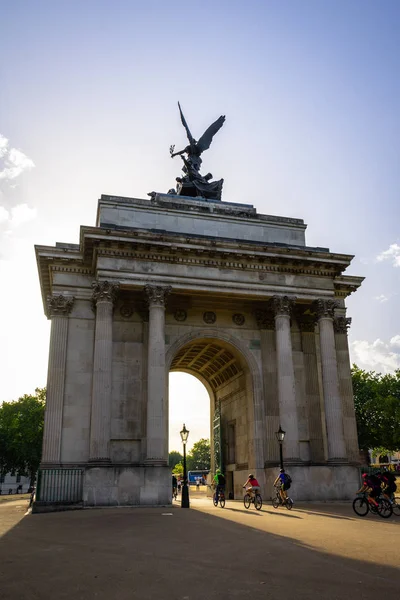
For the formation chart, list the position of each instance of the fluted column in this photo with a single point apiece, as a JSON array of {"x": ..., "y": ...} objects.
[
  {"x": 282, "y": 307},
  {"x": 156, "y": 449},
  {"x": 104, "y": 296},
  {"x": 330, "y": 380},
  {"x": 341, "y": 325},
  {"x": 59, "y": 308}
]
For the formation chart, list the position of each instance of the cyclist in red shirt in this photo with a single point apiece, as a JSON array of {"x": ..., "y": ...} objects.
[{"x": 252, "y": 486}]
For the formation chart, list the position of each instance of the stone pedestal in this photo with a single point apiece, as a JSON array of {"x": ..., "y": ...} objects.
[{"x": 127, "y": 485}]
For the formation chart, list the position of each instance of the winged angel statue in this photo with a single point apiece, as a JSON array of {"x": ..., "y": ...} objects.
[{"x": 192, "y": 183}]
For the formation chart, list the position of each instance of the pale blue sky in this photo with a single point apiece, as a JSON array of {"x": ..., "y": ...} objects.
[{"x": 311, "y": 94}]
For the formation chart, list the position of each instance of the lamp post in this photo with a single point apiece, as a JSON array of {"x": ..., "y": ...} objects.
[
  {"x": 280, "y": 436},
  {"x": 185, "y": 491}
]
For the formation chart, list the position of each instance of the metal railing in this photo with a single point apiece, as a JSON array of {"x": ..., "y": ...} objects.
[{"x": 59, "y": 485}]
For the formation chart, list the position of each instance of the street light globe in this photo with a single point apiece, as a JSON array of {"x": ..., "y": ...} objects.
[
  {"x": 184, "y": 434},
  {"x": 280, "y": 434}
]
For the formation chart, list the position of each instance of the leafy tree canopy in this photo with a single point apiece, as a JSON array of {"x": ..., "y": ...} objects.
[
  {"x": 199, "y": 457},
  {"x": 21, "y": 433},
  {"x": 174, "y": 458},
  {"x": 377, "y": 406},
  {"x": 178, "y": 469}
]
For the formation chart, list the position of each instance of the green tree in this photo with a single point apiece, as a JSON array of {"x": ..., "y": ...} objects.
[
  {"x": 199, "y": 457},
  {"x": 377, "y": 406},
  {"x": 174, "y": 457},
  {"x": 21, "y": 434},
  {"x": 178, "y": 469}
]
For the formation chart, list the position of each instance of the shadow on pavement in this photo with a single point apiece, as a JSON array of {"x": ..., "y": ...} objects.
[{"x": 139, "y": 553}]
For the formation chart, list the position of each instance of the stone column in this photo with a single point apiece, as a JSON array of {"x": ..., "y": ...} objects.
[
  {"x": 330, "y": 380},
  {"x": 104, "y": 296},
  {"x": 282, "y": 307},
  {"x": 156, "y": 449},
  {"x": 341, "y": 325},
  {"x": 312, "y": 389},
  {"x": 266, "y": 322},
  {"x": 59, "y": 308}
]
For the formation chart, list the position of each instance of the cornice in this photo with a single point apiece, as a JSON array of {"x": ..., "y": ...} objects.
[{"x": 206, "y": 258}]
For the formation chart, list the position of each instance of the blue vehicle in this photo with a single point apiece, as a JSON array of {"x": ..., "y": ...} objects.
[{"x": 194, "y": 476}]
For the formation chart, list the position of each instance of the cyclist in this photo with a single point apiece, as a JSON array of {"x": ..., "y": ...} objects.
[
  {"x": 219, "y": 483},
  {"x": 283, "y": 482},
  {"x": 174, "y": 486},
  {"x": 372, "y": 485},
  {"x": 252, "y": 486},
  {"x": 388, "y": 480}
]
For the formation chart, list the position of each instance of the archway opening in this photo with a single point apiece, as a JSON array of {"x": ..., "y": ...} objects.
[{"x": 224, "y": 373}]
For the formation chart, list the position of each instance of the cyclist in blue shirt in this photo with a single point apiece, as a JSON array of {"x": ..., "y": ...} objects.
[{"x": 283, "y": 482}]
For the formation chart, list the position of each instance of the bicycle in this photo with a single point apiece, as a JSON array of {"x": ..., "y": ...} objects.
[
  {"x": 363, "y": 504},
  {"x": 220, "y": 498},
  {"x": 395, "y": 502},
  {"x": 277, "y": 501},
  {"x": 250, "y": 499}
]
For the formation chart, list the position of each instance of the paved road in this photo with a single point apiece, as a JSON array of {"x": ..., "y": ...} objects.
[{"x": 314, "y": 551}]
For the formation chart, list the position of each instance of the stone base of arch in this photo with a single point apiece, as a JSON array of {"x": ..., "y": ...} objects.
[
  {"x": 318, "y": 483},
  {"x": 125, "y": 485}
]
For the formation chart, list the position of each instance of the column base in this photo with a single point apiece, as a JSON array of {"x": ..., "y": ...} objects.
[
  {"x": 338, "y": 461},
  {"x": 99, "y": 461}
]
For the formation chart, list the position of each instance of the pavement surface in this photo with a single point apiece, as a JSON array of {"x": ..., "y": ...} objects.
[{"x": 314, "y": 551}]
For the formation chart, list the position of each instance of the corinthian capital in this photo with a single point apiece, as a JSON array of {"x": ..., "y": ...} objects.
[
  {"x": 157, "y": 294},
  {"x": 325, "y": 308},
  {"x": 104, "y": 291},
  {"x": 59, "y": 305},
  {"x": 282, "y": 305},
  {"x": 341, "y": 324}
]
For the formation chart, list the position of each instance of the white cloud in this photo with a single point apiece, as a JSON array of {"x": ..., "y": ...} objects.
[
  {"x": 379, "y": 356},
  {"x": 381, "y": 298},
  {"x": 3, "y": 146},
  {"x": 22, "y": 214},
  {"x": 4, "y": 214},
  {"x": 13, "y": 161},
  {"x": 392, "y": 254},
  {"x": 395, "y": 341}
]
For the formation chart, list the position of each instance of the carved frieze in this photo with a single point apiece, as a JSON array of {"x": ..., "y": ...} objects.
[
  {"x": 341, "y": 324},
  {"x": 59, "y": 305},
  {"x": 104, "y": 291},
  {"x": 180, "y": 315},
  {"x": 157, "y": 294},
  {"x": 325, "y": 308},
  {"x": 281, "y": 305},
  {"x": 238, "y": 319},
  {"x": 209, "y": 317}
]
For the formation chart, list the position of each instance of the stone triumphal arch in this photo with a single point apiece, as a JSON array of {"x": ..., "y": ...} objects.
[{"x": 215, "y": 289}]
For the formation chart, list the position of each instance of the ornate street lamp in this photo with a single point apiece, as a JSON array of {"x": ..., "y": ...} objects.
[
  {"x": 280, "y": 436},
  {"x": 185, "y": 490}
]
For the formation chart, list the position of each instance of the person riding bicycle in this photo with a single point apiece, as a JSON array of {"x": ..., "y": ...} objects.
[
  {"x": 388, "y": 480},
  {"x": 372, "y": 485},
  {"x": 219, "y": 483},
  {"x": 283, "y": 483},
  {"x": 174, "y": 485},
  {"x": 252, "y": 486}
]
